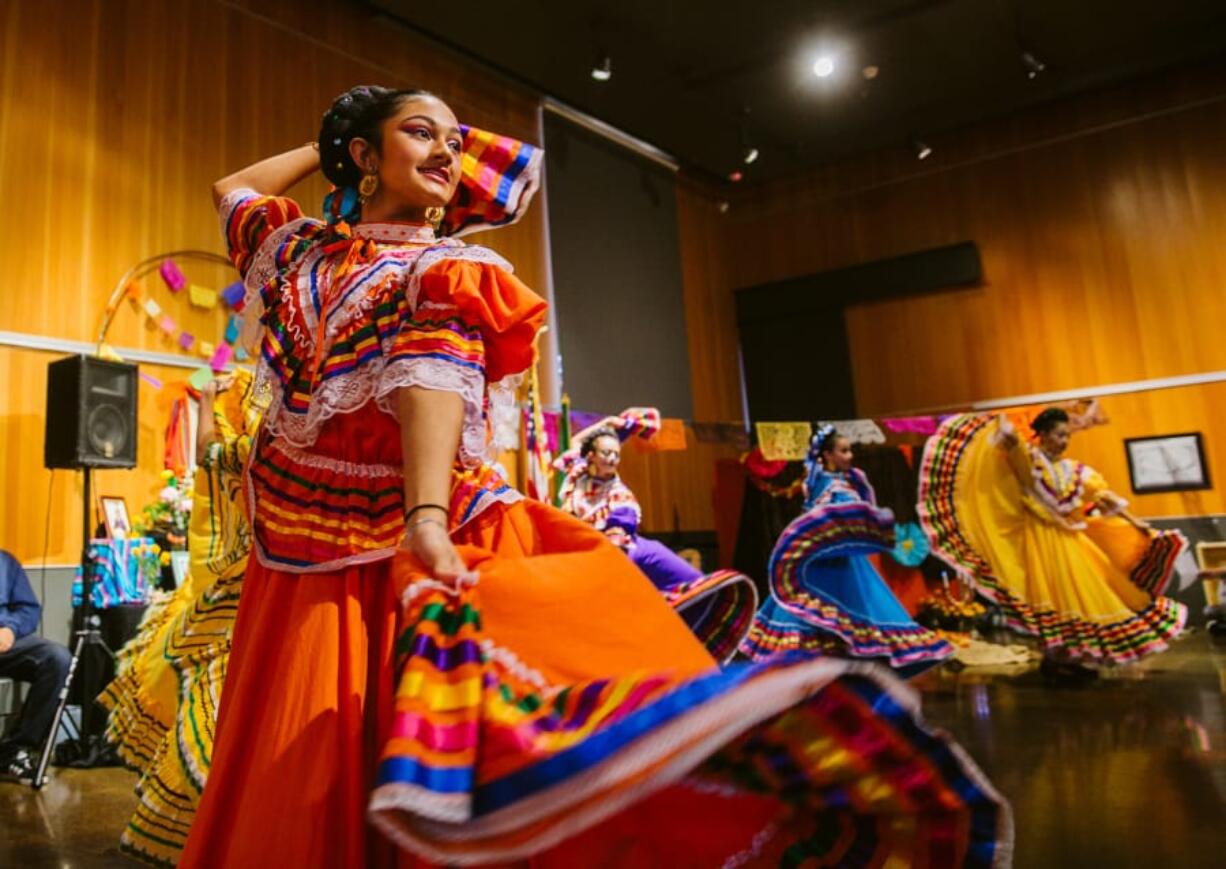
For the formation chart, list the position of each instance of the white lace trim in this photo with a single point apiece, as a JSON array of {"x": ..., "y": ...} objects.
[
  {"x": 750, "y": 854},
  {"x": 506, "y": 658},
  {"x": 397, "y": 233},
  {"x": 504, "y": 414},
  {"x": 263, "y": 269},
  {"x": 417, "y": 589},
  {"x": 336, "y": 466},
  {"x": 378, "y": 381},
  {"x": 416, "y": 800},
  {"x": 439, "y": 308},
  {"x": 706, "y": 786}
]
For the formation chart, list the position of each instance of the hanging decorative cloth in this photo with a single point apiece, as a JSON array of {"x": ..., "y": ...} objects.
[
  {"x": 178, "y": 437},
  {"x": 784, "y": 441}
]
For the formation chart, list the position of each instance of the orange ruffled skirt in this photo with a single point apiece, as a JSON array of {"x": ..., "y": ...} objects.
[{"x": 557, "y": 712}]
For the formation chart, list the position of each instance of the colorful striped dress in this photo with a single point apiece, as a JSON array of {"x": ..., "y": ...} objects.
[
  {"x": 826, "y": 596},
  {"x": 1029, "y": 534},
  {"x": 557, "y": 709}
]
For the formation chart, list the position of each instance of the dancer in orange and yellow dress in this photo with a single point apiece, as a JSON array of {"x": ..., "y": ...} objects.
[
  {"x": 485, "y": 678},
  {"x": 1043, "y": 537}
]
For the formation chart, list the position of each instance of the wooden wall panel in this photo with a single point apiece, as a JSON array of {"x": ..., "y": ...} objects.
[
  {"x": 1100, "y": 220},
  {"x": 710, "y": 314},
  {"x": 115, "y": 117},
  {"x": 676, "y": 488}
]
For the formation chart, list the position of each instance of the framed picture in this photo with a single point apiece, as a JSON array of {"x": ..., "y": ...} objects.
[
  {"x": 1167, "y": 463},
  {"x": 115, "y": 515},
  {"x": 1211, "y": 555}
]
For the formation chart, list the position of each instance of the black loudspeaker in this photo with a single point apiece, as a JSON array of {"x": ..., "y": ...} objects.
[{"x": 91, "y": 414}]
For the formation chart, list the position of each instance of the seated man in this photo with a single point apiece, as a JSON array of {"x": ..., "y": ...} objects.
[{"x": 26, "y": 657}]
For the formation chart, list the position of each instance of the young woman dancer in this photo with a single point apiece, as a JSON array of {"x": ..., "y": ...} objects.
[{"x": 485, "y": 677}]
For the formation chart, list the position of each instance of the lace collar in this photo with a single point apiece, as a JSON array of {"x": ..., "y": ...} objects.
[{"x": 396, "y": 232}]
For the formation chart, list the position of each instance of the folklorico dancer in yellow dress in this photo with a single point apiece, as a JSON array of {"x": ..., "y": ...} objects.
[
  {"x": 1043, "y": 537},
  {"x": 163, "y": 702}
]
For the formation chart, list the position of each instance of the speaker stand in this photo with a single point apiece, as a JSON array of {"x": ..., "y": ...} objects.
[{"x": 86, "y": 637}]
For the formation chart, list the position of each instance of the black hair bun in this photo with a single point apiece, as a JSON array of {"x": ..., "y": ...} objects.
[
  {"x": 1048, "y": 419},
  {"x": 351, "y": 115}
]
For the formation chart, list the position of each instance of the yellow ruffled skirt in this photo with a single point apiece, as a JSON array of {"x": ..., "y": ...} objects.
[{"x": 1089, "y": 594}]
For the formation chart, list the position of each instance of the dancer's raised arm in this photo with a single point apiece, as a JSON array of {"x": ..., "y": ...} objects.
[{"x": 271, "y": 176}]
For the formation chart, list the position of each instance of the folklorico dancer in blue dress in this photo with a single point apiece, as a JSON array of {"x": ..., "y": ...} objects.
[{"x": 825, "y": 596}]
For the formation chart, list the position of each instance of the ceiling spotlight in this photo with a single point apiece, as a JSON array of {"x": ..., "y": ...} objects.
[
  {"x": 602, "y": 69},
  {"x": 1032, "y": 65},
  {"x": 751, "y": 154},
  {"x": 922, "y": 150},
  {"x": 823, "y": 67},
  {"x": 870, "y": 72},
  {"x": 735, "y": 176}
]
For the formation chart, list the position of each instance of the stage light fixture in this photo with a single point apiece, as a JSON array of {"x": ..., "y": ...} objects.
[
  {"x": 751, "y": 154},
  {"x": 602, "y": 69},
  {"x": 1032, "y": 65},
  {"x": 823, "y": 67},
  {"x": 922, "y": 150},
  {"x": 870, "y": 72},
  {"x": 735, "y": 176}
]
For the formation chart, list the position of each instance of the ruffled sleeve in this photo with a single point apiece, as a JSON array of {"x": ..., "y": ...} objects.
[
  {"x": 1098, "y": 494},
  {"x": 249, "y": 219},
  {"x": 265, "y": 236},
  {"x": 505, "y": 312}
]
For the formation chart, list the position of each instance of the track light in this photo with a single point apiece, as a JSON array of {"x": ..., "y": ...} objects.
[
  {"x": 922, "y": 150},
  {"x": 1032, "y": 65},
  {"x": 749, "y": 152},
  {"x": 602, "y": 69},
  {"x": 823, "y": 67}
]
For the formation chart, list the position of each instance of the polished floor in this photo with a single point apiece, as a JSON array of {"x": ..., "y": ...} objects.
[{"x": 1128, "y": 771}]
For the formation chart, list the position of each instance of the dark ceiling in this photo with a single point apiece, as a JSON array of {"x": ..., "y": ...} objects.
[{"x": 685, "y": 73}]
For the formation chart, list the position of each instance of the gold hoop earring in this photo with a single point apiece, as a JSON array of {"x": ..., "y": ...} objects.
[
  {"x": 434, "y": 215},
  {"x": 368, "y": 186}
]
